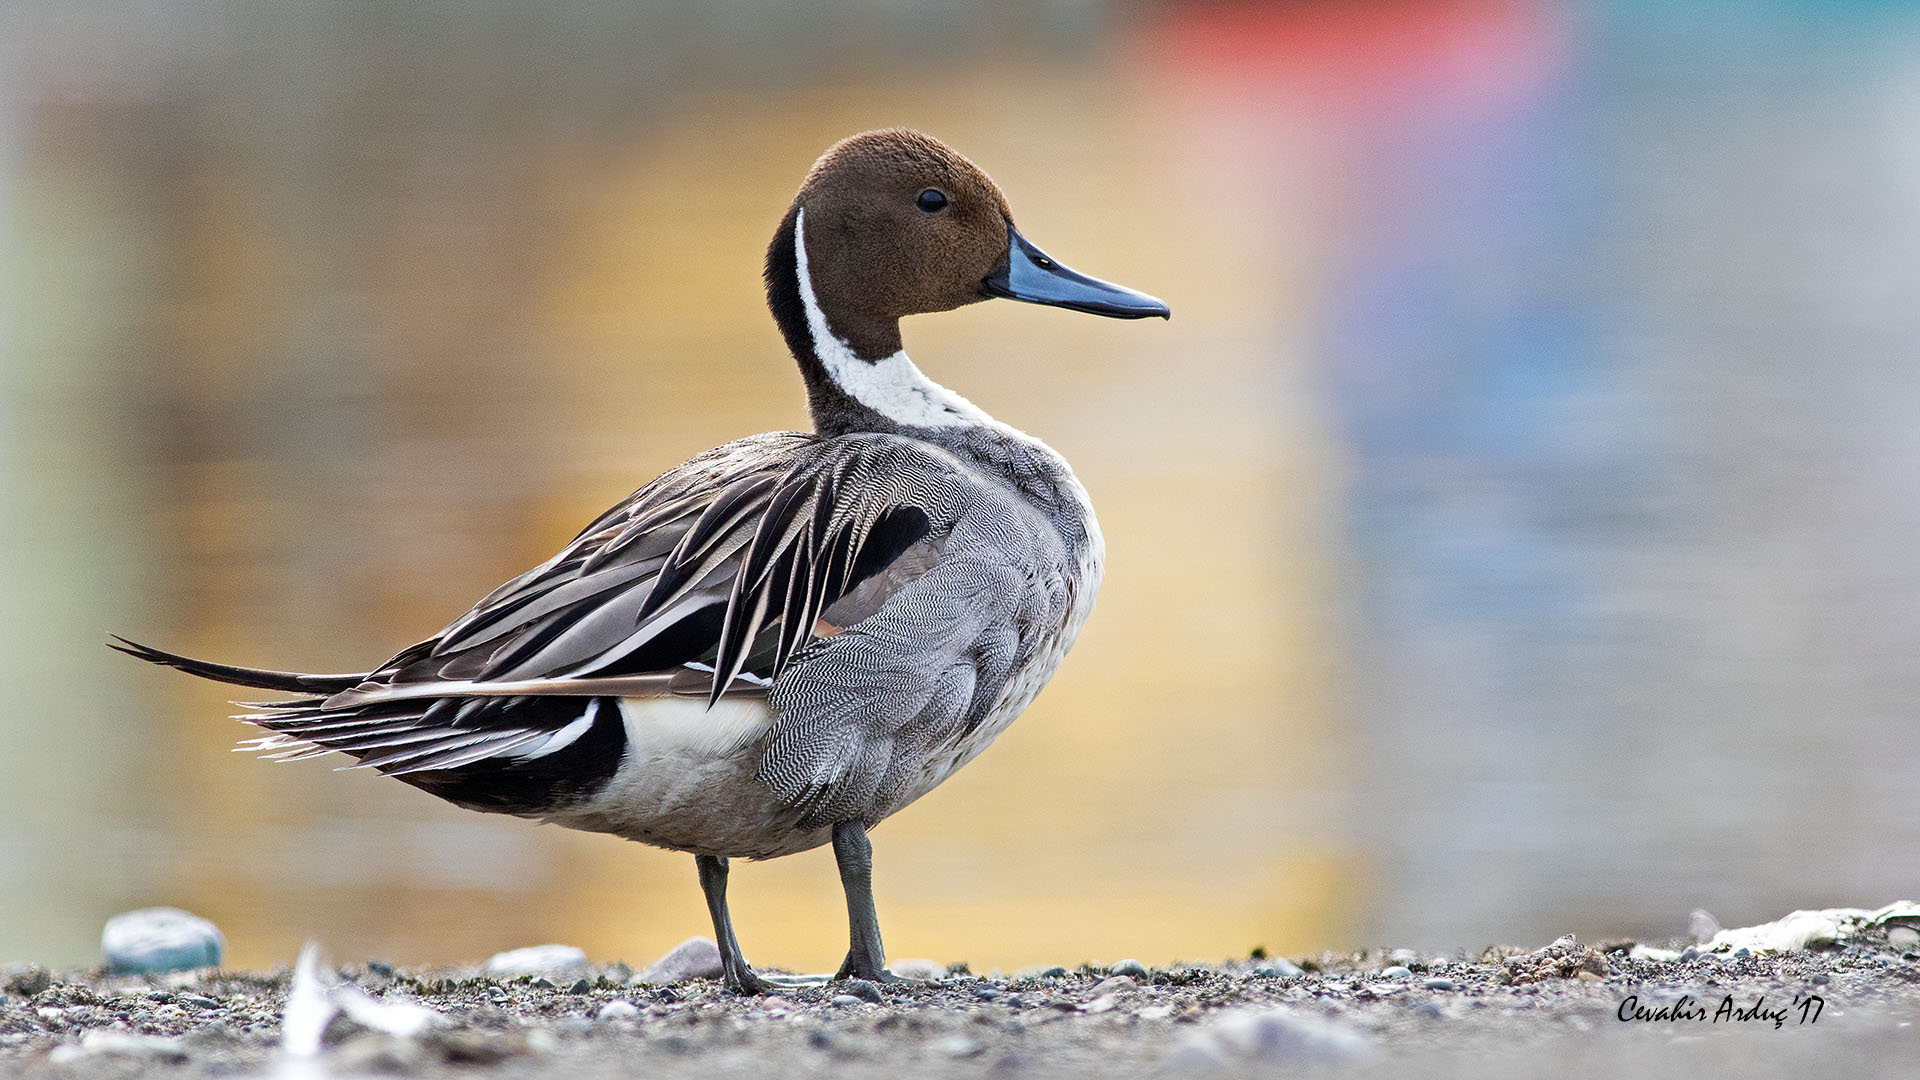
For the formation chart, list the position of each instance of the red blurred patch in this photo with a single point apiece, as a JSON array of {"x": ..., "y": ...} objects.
[{"x": 1361, "y": 55}]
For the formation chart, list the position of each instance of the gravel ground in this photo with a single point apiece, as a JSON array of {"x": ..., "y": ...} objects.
[{"x": 1842, "y": 1011}]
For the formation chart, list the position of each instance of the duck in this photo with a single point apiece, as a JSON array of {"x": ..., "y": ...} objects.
[{"x": 783, "y": 641}]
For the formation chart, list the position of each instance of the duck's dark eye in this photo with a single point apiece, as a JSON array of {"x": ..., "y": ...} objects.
[{"x": 932, "y": 200}]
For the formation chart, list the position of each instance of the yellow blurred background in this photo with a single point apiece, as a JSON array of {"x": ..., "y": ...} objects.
[{"x": 1508, "y": 535}]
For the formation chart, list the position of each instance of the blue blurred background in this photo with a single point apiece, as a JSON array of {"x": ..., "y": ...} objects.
[{"x": 1513, "y": 532}]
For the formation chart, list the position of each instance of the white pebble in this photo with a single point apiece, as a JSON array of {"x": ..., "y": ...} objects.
[
  {"x": 618, "y": 1009},
  {"x": 1281, "y": 1035},
  {"x": 694, "y": 958},
  {"x": 918, "y": 968},
  {"x": 108, "y": 1041},
  {"x": 538, "y": 960},
  {"x": 959, "y": 1046},
  {"x": 160, "y": 939}
]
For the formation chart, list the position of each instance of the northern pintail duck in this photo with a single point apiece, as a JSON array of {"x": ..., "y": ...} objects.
[{"x": 788, "y": 638}]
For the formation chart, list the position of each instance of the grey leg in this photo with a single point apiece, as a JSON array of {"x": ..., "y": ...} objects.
[
  {"x": 738, "y": 977},
  {"x": 866, "y": 957}
]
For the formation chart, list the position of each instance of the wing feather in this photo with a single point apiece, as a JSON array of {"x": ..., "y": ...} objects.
[{"x": 708, "y": 582}]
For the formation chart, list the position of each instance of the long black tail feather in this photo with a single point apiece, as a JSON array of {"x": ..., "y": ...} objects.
[{"x": 290, "y": 681}]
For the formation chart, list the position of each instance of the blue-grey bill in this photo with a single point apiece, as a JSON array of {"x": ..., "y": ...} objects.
[{"x": 1037, "y": 278}]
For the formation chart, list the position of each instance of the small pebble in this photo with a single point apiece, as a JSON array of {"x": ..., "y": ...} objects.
[
  {"x": 544, "y": 983},
  {"x": 1278, "y": 967},
  {"x": 1820, "y": 979},
  {"x": 1702, "y": 926},
  {"x": 1053, "y": 973},
  {"x": 820, "y": 1038},
  {"x": 986, "y": 993},
  {"x": 1742, "y": 953},
  {"x": 198, "y": 1001},
  {"x": 1903, "y": 937},
  {"x": 29, "y": 982},
  {"x": 1113, "y": 984},
  {"x": 844, "y": 1000},
  {"x": 863, "y": 990},
  {"x": 1131, "y": 967},
  {"x": 1430, "y": 1010},
  {"x": 694, "y": 958},
  {"x": 618, "y": 1009},
  {"x": 1281, "y": 1036},
  {"x": 537, "y": 960},
  {"x": 105, "y": 1041},
  {"x": 1438, "y": 984},
  {"x": 581, "y": 987},
  {"x": 1688, "y": 953},
  {"x": 161, "y": 939},
  {"x": 916, "y": 968},
  {"x": 1397, "y": 971},
  {"x": 959, "y": 1046}
]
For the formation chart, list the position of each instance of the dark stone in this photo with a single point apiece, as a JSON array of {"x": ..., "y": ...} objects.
[
  {"x": 30, "y": 982},
  {"x": 864, "y": 991}
]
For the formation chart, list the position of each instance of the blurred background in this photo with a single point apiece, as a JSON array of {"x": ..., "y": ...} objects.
[{"x": 1513, "y": 532}]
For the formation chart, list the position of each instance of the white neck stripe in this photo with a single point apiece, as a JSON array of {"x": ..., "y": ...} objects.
[{"x": 892, "y": 386}]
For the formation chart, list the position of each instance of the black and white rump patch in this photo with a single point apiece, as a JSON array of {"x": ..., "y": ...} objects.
[{"x": 509, "y": 755}]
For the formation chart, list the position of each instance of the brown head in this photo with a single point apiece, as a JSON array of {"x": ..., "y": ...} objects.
[
  {"x": 898, "y": 224},
  {"x": 894, "y": 223}
]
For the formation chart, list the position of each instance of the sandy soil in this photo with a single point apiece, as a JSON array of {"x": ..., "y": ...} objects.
[{"x": 1556, "y": 1010}]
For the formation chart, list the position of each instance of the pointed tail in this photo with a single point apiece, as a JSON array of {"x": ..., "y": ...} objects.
[{"x": 291, "y": 681}]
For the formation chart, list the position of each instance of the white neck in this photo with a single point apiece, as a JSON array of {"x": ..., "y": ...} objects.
[{"x": 891, "y": 386}]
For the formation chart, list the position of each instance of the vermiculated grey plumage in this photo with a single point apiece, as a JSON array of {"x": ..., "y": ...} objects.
[{"x": 741, "y": 573}]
